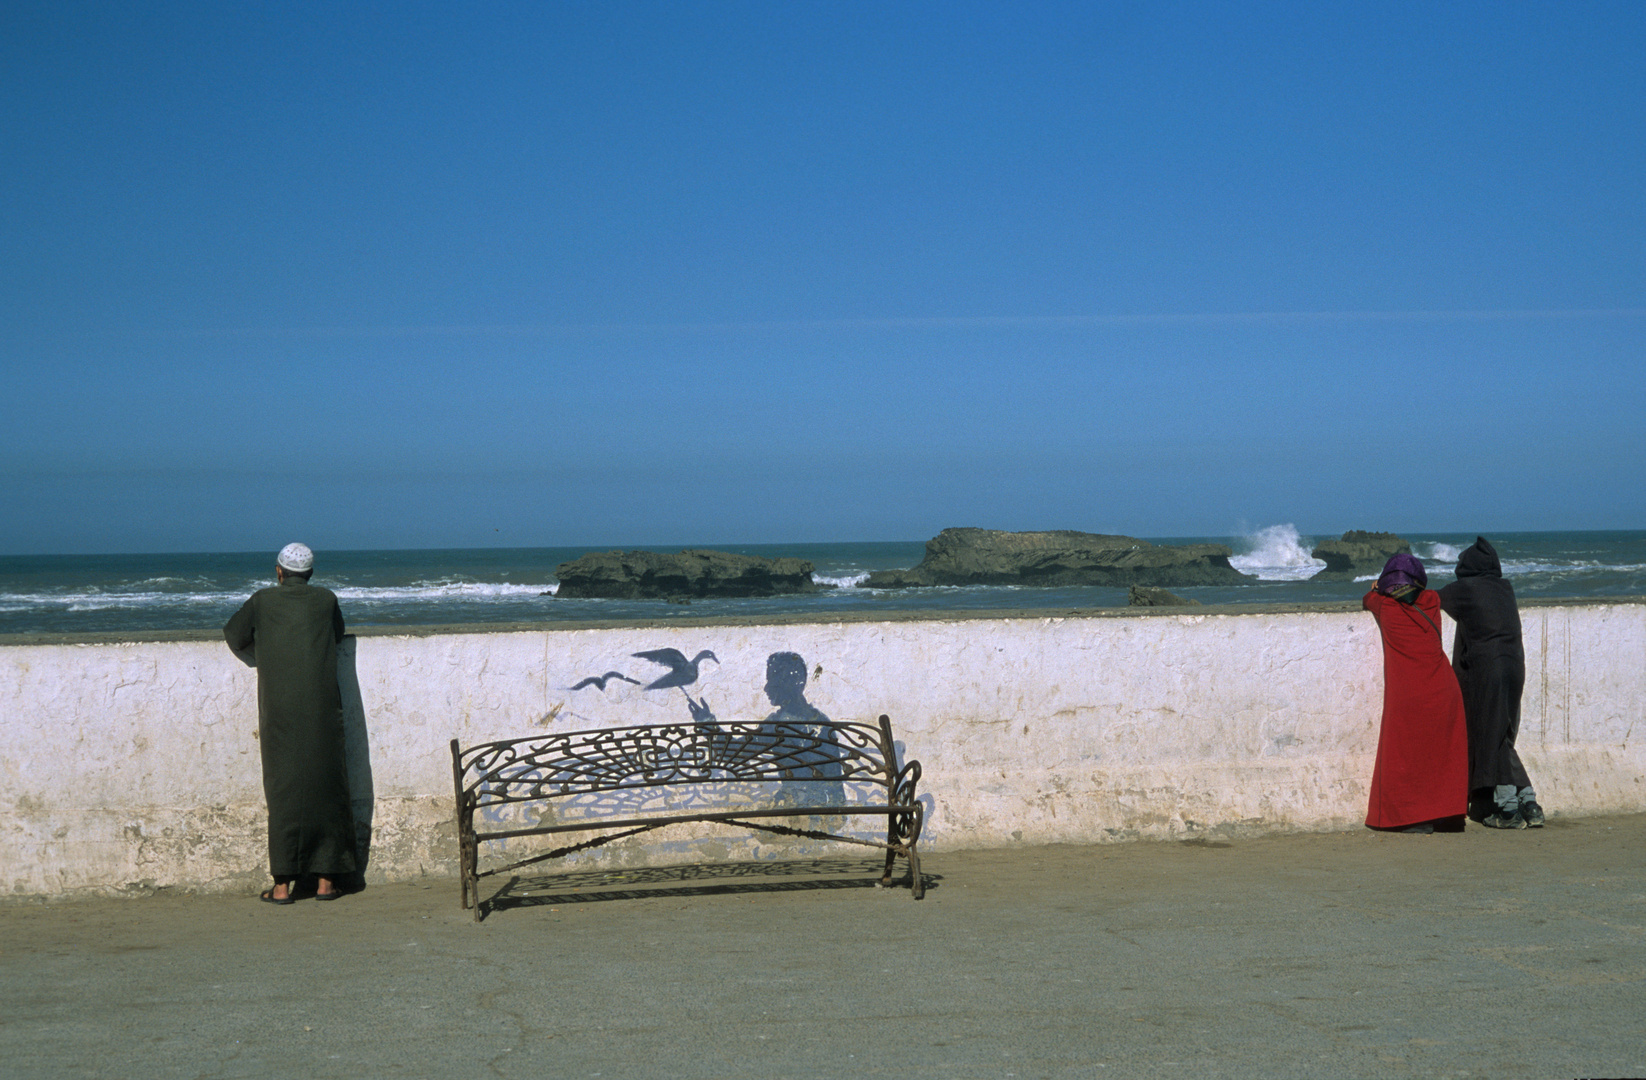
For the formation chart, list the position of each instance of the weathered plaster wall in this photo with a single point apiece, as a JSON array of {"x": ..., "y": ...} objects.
[{"x": 133, "y": 766}]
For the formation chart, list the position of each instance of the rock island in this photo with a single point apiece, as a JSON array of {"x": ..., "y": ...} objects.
[{"x": 1060, "y": 557}]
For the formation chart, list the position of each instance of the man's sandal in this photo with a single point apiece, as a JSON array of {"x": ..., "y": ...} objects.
[{"x": 268, "y": 897}]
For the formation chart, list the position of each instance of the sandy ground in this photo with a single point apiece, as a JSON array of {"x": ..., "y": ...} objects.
[{"x": 1359, "y": 954}]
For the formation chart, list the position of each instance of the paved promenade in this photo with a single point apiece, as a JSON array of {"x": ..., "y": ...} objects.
[{"x": 1485, "y": 954}]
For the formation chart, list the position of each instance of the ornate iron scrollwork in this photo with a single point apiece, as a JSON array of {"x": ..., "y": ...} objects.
[
  {"x": 584, "y": 762},
  {"x": 905, "y": 825},
  {"x": 598, "y": 780}
]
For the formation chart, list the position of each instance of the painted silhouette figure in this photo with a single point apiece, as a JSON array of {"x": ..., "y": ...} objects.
[
  {"x": 786, "y": 689},
  {"x": 794, "y": 724}
]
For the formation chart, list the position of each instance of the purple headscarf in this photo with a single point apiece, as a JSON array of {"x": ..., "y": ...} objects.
[{"x": 1403, "y": 577}]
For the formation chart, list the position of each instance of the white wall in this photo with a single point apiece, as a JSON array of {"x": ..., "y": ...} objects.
[{"x": 133, "y": 766}]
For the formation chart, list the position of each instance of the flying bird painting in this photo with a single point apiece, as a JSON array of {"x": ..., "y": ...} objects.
[
  {"x": 681, "y": 673},
  {"x": 601, "y": 680}
]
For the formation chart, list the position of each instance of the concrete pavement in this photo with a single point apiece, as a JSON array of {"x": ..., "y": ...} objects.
[{"x": 1354, "y": 954}]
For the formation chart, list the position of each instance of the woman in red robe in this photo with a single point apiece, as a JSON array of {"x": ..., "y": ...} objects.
[{"x": 1421, "y": 781}]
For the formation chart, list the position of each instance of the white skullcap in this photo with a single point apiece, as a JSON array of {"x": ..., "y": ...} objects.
[{"x": 295, "y": 557}]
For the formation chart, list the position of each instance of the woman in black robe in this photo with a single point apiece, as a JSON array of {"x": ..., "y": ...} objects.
[{"x": 1490, "y": 662}]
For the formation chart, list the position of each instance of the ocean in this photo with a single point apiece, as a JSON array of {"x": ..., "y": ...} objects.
[{"x": 80, "y": 594}]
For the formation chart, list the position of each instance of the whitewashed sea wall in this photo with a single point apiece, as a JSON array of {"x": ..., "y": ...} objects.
[{"x": 133, "y": 766}]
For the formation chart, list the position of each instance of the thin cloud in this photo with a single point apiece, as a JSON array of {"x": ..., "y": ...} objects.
[{"x": 975, "y": 322}]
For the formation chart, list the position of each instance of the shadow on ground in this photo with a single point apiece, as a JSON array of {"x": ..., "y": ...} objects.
[{"x": 703, "y": 879}]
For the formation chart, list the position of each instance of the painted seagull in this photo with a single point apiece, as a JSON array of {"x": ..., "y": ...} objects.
[
  {"x": 682, "y": 672},
  {"x": 601, "y": 680}
]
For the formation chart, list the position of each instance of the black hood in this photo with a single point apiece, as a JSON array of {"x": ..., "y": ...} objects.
[{"x": 1479, "y": 560}]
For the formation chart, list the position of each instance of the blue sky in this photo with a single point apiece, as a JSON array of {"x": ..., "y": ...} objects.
[{"x": 566, "y": 274}]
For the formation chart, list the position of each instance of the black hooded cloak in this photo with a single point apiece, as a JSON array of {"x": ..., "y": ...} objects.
[{"x": 1490, "y": 663}]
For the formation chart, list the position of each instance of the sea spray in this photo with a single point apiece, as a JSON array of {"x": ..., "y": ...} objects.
[
  {"x": 1277, "y": 553},
  {"x": 1437, "y": 552},
  {"x": 843, "y": 581}
]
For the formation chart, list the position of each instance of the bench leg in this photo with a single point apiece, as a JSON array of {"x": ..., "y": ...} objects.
[
  {"x": 917, "y": 884},
  {"x": 467, "y": 866}
]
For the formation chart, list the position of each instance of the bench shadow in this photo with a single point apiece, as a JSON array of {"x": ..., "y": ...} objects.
[{"x": 697, "y": 879}]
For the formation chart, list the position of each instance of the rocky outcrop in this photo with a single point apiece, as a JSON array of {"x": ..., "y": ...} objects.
[
  {"x": 1142, "y": 596},
  {"x": 651, "y": 575},
  {"x": 1063, "y": 557},
  {"x": 1357, "y": 554}
]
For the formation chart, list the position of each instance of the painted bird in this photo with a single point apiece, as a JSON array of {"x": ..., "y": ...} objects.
[
  {"x": 601, "y": 680},
  {"x": 682, "y": 672}
]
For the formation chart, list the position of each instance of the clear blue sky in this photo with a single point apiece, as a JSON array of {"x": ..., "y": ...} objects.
[{"x": 544, "y": 274}]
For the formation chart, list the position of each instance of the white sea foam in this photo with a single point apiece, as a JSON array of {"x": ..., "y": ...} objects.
[
  {"x": 443, "y": 590},
  {"x": 102, "y": 601},
  {"x": 1582, "y": 566},
  {"x": 845, "y": 581},
  {"x": 130, "y": 597},
  {"x": 1277, "y": 553},
  {"x": 1435, "y": 553}
]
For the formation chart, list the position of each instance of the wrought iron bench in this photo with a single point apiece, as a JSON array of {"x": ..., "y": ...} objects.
[{"x": 623, "y": 781}]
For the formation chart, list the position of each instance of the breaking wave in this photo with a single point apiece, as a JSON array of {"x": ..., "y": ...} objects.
[
  {"x": 1438, "y": 553},
  {"x": 98, "y": 600},
  {"x": 442, "y": 590},
  {"x": 845, "y": 581},
  {"x": 142, "y": 595},
  {"x": 1277, "y": 553}
]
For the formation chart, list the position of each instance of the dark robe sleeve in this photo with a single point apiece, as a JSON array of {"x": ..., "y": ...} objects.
[{"x": 238, "y": 631}]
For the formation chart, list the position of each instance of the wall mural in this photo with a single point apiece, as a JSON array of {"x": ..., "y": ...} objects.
[
  {"x": 601, "y": 680},
  {"x": 795, "y": 729}
]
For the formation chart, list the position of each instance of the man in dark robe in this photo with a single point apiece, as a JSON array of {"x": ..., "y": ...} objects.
[
  {"x": 1490, "y": 662},
  {"x": 291, "y": 633}
]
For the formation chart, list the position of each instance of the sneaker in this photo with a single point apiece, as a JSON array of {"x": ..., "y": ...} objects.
[
  {"x": 1497, "y": 819},
  {"x": 1533, "y": 814}
]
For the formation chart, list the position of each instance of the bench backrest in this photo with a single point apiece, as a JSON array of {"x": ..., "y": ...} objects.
[{"x": 658, "y": 755}]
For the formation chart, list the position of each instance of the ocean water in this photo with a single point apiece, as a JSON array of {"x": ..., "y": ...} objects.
[{"x": 103, "y": 593}]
